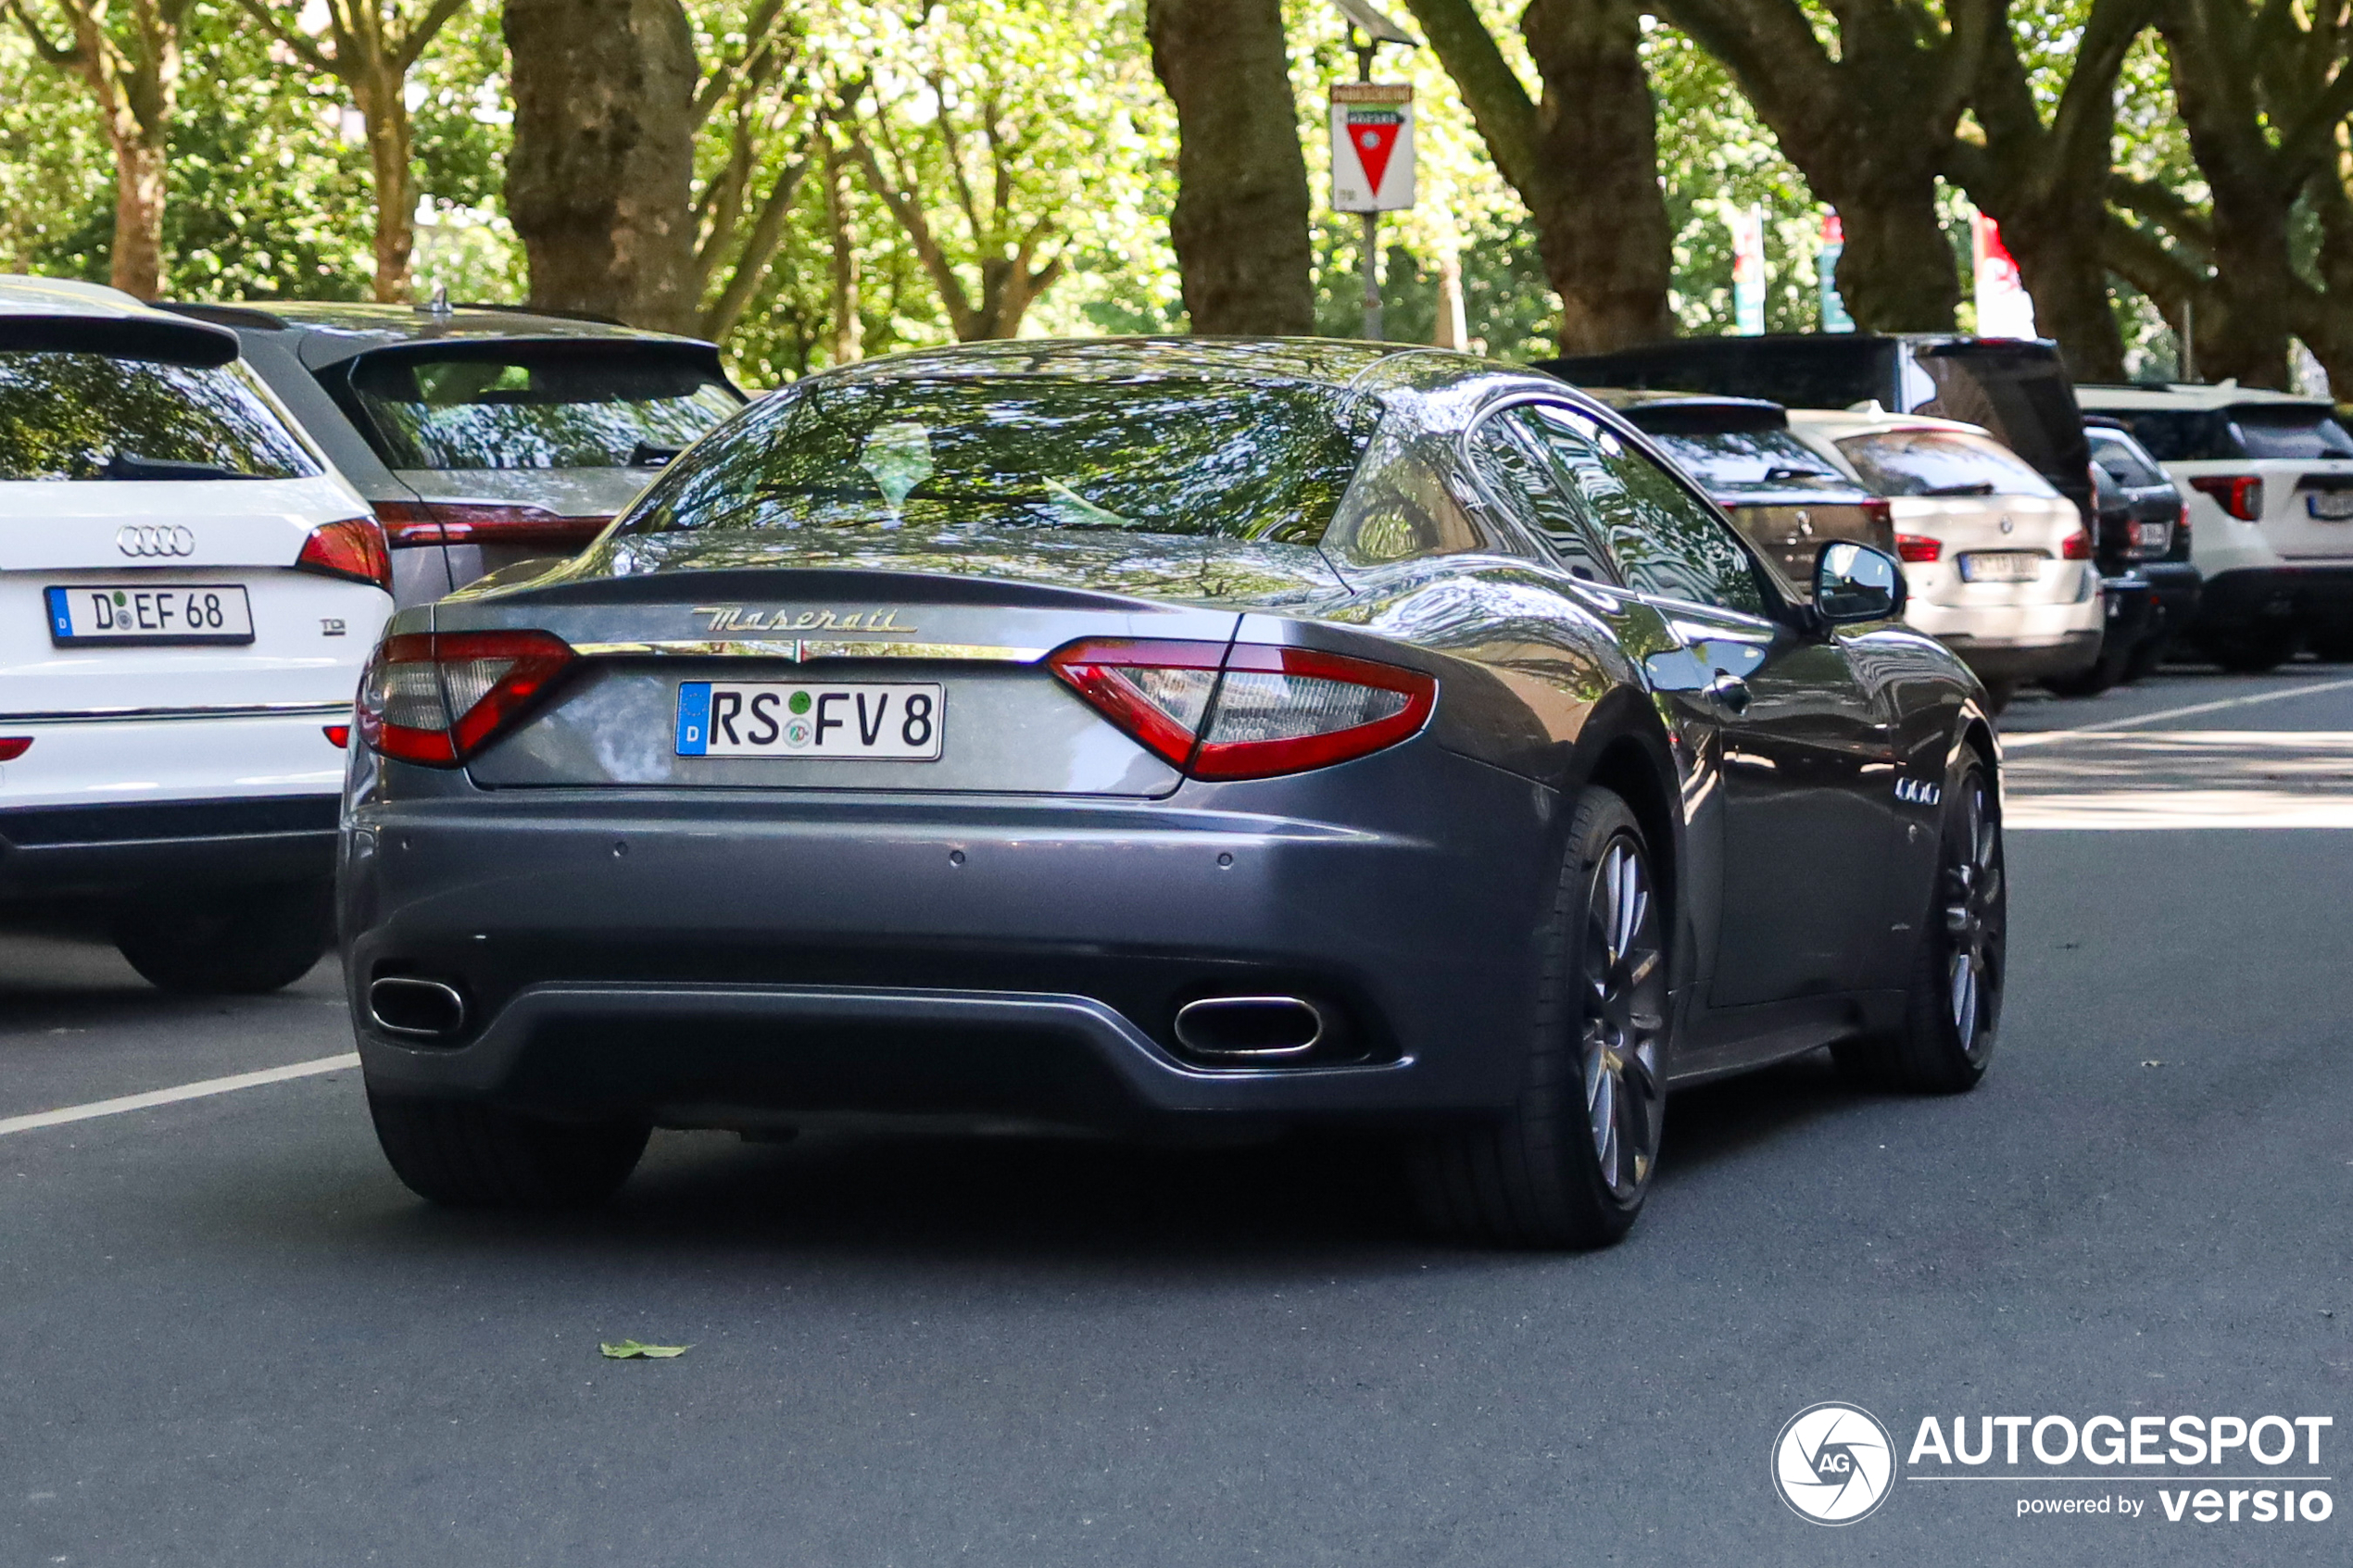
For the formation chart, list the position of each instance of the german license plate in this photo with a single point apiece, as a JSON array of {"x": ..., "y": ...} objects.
[
  {"x": 148, "y": 615},
  {"x": 2330, "y": 506},
  {"x": 2001, "y": 566},
  {"x": 2152, "y": 538},
  {"x": 811, "y": 719}
]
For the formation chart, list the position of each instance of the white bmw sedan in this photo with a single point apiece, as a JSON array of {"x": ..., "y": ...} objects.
[{"x": 188, "y": 593}]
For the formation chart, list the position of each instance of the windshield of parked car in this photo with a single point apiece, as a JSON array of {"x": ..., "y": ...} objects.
[
  {"x": 560, "y": 406},
  {"x": 93, "y": 416},
  {"x": 1750, "y": 459},
  {"x": 1940, "y": 462},
  {"x": 2282, "y": 430},
  {"x": 1260, "y": 461}
]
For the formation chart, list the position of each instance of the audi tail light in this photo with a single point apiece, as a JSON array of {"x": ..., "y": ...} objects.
[
  {"x": 338, "y": 735},
  {"x": 2240, "y": 494},
  {"x": 477, "y": 522},
  {"x": 353, "y": 550},
  {"x": 2076, "y": 546},
  {"x": 437, "y": 698},
  {"x": 1250, "y": 712},
  {"x": 1918, "y": 547},
  {"x": 14, "y": 747}
]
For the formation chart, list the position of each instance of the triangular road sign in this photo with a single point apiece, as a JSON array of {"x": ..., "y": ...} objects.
[{"x": 1373, "y": 142}]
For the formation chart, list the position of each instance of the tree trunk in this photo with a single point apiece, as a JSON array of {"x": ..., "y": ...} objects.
[
  {"x": 1896, "y": 273},
  {"x": 137, "y": 253},
  {"x": 1601, "y": 217},
  {"x": 1240, "y": 225},
  {"x": 2059, "y": 260},
  {"x": 846, "y": 345},
  {"x": 598, "y": 179},
  {"x": 383, "y": 109}
]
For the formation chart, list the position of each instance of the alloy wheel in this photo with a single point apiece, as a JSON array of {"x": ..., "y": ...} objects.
[
  {"x": 1972, "y": 897},
  {"x": 1624, "y": 976}
]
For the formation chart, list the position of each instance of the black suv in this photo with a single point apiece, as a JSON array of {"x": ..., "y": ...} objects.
[{"x": 483, "y": 436}]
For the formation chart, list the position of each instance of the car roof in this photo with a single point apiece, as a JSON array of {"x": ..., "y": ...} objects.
[
  {"x": 2186, "y": 395},
  {"x": 66, "y": 315},
  {"x": 347, "y": 328}
]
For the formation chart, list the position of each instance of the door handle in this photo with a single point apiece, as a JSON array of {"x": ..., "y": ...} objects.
[{"x": 1729, "y": 693}]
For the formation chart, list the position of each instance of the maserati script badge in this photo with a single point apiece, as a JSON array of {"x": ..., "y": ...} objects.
[{"x": 736, "y": 618}]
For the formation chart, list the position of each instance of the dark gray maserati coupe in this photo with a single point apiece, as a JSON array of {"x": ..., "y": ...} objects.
[{"x": 1162, "y": 737}]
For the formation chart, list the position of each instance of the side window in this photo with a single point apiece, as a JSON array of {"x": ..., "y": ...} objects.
[
  {"x": 1510, "y": 463},
  {"x": 1661, "y": 541}
]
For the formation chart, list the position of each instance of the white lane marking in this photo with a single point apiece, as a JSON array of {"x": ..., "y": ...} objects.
[
  {"x": 184, "y": 1091},
  {"x": 2169, "y": 810},
  {"x": 2037, "y": 737}
]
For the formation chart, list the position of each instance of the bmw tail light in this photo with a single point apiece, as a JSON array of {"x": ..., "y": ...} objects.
[
  {"x": 475, "y": 522},
  {"x": 437, "y": 698},
  {"x": 1918, "y": 547},
  {"x": 353, "y": 548},
  {"x": 1251, "y": 712},
  {"x": 2076, "y": 546},
  {"x": 2240, "y": 494}
]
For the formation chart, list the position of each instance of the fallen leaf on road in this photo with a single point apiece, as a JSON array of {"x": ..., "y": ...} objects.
[
  {"x": 2152, "y": 1062},
  {"x": 630, "y": 1350}
]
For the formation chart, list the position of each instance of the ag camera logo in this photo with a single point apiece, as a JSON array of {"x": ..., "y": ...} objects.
[{"x": 1834, "y": 1463}]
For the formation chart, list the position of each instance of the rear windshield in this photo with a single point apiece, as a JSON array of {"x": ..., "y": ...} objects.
[
  {"x": 1940, "y": 462},
  {"x": 567, "y": 406},
  {"x": 1173, "y": 455},
  {"x": 2182, "y": 435},
  {"x": 2022, "y": 394},
  {"x": 2114, "y": 452},
  {"x": 2284, "y": 431},
  {"x": 1750, "y": 459},
  {"x": 92, "y": 416},
  {"x": 1829, "y": 371}
]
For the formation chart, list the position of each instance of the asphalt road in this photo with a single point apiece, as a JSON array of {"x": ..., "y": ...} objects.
[{"x": 235, "y": 1339}]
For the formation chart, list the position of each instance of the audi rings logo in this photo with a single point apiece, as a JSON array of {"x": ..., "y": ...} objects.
[
  {"x": 156, "y": 539},
  {"x": 1834, "y": 1463}
]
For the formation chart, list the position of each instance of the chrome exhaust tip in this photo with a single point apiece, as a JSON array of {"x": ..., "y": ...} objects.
[
  {"x": 1250, "y": 1028},
  {"x": 402, "y": 1004}
]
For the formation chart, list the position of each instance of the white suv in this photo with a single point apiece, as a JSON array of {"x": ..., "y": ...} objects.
[
  {"x": 188, "y": 593},
  {"x": 1998, "y": 564},
  {"x": 2268, "y": 479}
]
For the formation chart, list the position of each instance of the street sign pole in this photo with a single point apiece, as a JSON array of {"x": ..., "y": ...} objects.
[
  {"x": 1371, "y": 256},
  {"x": 1372, "y": 126}
]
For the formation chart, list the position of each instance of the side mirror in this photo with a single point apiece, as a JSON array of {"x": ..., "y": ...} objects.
[{"x": 1855, "y": 582}]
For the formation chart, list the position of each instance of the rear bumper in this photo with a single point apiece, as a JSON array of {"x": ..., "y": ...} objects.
[
  {"x": 66, "y": 851},
  {"x": 2178, "y": 587},
  {"x": 739, "y": 962},
  {"x": 2260, "y": 595},
  {"x": 2021, "y": 659}
]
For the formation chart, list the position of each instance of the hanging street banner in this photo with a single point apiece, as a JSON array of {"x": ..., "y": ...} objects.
[
  {"x": 1834, "y": 316},
  {"x": 1748, "y": 269},
  {"x": 1372, "y": 146}
]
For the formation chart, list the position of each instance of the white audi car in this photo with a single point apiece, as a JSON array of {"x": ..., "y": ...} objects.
[
  {"x": 1997, "y": 563},
  {"x": 188, "y": 593}
]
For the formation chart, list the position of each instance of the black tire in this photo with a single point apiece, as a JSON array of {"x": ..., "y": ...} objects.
[
  {"x": 468, "y": 1156},
  {"x": 229, "y": 942},
  {"x": 2147, "y": 657},
  {"x": 2252, "y": 651},
  {"x": 2090, "y": 681},
  {"x": 1943, "y": 1045},
  {"x": 1538, "y": 1175},
  {"x": 2332, "y": 643}
]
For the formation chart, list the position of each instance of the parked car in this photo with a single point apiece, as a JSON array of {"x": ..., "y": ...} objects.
[
  {"x": 1782, "y": 495},
  {"x": 2018, "y": 389},
  {"x": 1162, "y": 735},
  {"x": 188, "y": 593},
  {"x": 1999, "y": 563},
  {"x": 482, "y": 435},
  {"x": 2269, "y": 482},
  {"x": 2142, "y": 542}
]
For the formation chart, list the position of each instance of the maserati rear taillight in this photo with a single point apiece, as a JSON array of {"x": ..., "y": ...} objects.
[
  {"x": 2240, "y": 494},
  {"x": 1248, "y": 712},
  {"x": 481, "y": 522},
  {"x": 1918, "y": 547},
  {"x": 437, "y": 698},
  {"x": 353, "y": 548}
]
